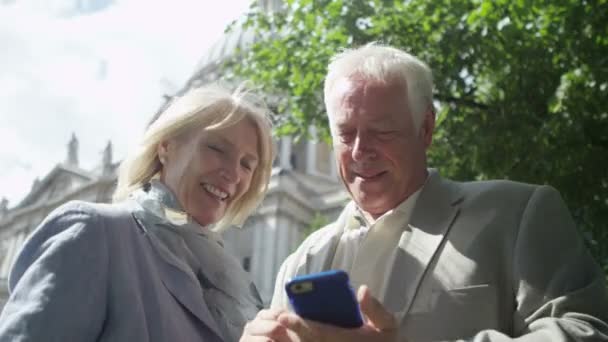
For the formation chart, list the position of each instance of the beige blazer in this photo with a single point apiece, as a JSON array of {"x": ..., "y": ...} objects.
[{"x": 480, "y": 261}]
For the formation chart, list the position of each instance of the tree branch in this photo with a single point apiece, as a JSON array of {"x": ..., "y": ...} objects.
[{"x": 461, "y": 101}]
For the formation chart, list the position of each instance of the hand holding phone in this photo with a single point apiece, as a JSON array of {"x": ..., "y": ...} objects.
[{"x": 325, "y": 297}]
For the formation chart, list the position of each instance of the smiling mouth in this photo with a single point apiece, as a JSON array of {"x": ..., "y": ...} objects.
[
  {"x": 370, "y": 176},
  {"x": 215, "y": 192}
]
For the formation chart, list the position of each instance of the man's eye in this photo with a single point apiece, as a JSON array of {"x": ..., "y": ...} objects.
[
  {"x": 386, "y": 134},
  {"x": 215, "y": 148},
  {"x": 346, "y": 136}
]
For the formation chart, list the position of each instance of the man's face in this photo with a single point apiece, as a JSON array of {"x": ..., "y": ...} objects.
[
  {"x": 381, "y": 157},
  {"x": 209, "y": 170}
]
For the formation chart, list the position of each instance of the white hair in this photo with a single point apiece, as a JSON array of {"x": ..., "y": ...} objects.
[
  {"x": 209, "y": 108},
  {"x": 388, "y": 65}
]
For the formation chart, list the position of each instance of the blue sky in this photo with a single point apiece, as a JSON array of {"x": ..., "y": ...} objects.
[{"x": 98, "y": 68}]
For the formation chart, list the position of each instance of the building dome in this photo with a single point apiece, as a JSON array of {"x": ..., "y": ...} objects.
[
  {"x": 238, "y": 38},
  {"x": 207, "y": 69}
]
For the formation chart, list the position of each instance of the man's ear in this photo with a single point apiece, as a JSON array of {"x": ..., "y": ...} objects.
[{"x": 427, "y": 127}]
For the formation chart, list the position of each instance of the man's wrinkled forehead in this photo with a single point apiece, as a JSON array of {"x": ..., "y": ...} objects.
[
  {"x": 340, "y": 92},
  {"x": 348, "y": 88}
]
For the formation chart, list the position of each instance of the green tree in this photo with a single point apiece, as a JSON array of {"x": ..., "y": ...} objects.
[
  {"x": 317, "y": 222},
  {"x": 521, "y": 85}
]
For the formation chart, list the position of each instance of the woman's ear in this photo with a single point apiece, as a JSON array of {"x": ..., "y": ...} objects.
[{"x": 163, "y": 150}]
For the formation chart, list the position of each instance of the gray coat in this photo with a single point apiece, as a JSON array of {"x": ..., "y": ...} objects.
[{"x": 91, "y": 273}]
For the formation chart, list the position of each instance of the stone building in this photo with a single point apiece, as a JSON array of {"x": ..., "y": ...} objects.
[
  {"x": 304, "y": 184},
  {"x": 66, "y": 181}
]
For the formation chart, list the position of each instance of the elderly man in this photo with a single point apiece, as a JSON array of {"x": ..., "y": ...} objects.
[{"x": 448, "y": 261}]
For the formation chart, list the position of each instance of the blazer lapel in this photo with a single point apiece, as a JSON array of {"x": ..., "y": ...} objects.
[
  {"x": 179, "y": 281},
  {"x": 320, "y": 253},
  {"x": 435, "y": 211}
]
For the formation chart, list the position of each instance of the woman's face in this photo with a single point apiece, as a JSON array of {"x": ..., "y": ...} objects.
[{"x": 209, "y": 170}]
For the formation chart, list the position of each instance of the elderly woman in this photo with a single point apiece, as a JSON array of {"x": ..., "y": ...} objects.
[{"x": 149, "y": 267}]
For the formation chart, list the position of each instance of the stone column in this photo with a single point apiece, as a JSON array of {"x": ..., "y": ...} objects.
[{"x": 285, "y": 153}]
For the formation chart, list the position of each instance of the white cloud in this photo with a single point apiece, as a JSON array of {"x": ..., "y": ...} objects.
[{"x": 101, "y": 75}]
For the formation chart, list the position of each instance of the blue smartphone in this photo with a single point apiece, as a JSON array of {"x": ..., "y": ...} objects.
[{"x": 325, "y": 297}]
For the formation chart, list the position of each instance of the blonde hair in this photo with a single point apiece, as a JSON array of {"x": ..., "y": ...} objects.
[
  {"x": 385, "y": 64},
  {"x": 212, "y": 108}
]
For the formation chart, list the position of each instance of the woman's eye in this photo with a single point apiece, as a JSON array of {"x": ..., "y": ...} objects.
[{"x": 247, "y": 166}]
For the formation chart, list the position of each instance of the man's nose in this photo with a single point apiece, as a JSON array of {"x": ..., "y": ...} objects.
[{"x": 362, "y": 148}]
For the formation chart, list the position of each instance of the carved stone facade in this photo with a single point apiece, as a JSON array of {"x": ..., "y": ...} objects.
[{"x": 65, "y": 182}]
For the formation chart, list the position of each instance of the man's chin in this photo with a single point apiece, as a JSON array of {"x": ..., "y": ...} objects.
[
  {"x": 371, "y": 189},
  {"x": 371, "y": 202}
]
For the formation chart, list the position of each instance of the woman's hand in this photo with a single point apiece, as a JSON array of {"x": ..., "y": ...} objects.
[{"x": 265, "y": 327}]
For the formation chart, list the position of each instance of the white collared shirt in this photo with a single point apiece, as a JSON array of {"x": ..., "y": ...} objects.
[{"x": 364, "y": 249}]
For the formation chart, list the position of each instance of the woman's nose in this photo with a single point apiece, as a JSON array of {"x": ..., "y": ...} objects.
[{"x": 230, "y": 172}]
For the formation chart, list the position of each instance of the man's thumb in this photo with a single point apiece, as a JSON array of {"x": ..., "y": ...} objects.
[{"x": 375, "y": 312}]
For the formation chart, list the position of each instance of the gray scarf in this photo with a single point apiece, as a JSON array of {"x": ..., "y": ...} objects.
[{"x": 225, "y": 286}]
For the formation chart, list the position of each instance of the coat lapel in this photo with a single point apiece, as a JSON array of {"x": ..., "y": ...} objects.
[
  {"x": 320, "y": 253},
  {"x": 179, "y": 280},
  {"x": 435, "y": 211}
]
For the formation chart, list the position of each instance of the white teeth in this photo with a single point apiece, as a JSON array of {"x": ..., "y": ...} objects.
[{"x": 215, "y": 191}]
